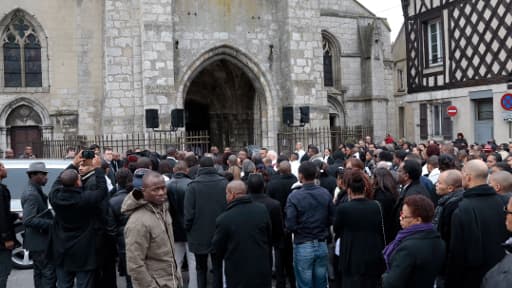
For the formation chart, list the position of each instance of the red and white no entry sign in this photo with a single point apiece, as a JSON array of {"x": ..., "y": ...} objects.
[{"x": 452, "y": 110}]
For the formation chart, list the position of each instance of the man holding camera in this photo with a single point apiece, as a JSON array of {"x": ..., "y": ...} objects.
[
  {"x": 104, "y": 223},
  {"x": 73, "y": 236}
]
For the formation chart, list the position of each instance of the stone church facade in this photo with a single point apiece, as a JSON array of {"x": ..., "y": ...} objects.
[{"x": 95, "y": 67}]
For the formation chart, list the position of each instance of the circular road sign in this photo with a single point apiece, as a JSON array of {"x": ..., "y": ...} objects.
[
  {"x": 452, "y": 110},
  {"x": 506, "y": 101}
]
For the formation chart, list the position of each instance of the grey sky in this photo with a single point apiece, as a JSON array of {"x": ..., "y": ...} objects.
[{"x": 389, "y": 9}]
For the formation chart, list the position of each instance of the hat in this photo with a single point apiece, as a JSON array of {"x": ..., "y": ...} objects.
[
  {"x": 37, "y": 167},
  {"x": 137, "y": 177}
]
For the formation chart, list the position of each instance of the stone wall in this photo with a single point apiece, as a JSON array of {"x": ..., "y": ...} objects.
[
  {"x": 109, "y": 60},
  {"x": 72, "y": 50},
  {"x": 123, "y": 109}
]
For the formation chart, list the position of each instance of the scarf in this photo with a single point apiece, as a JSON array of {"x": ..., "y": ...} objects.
[{"x": 403, "y": 234}]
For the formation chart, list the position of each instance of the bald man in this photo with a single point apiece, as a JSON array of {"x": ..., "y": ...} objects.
[
  {"x": 501, "y": 181},
  {"x": 75, "y": 210},
  {"x": 243, "y": 240},
  {"x": 478, "y": 230},
  {"x": 449, "y": 188}
]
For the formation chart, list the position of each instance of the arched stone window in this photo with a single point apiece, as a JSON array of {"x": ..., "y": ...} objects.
[
  {"x": 332, "y": 75},
  {"x": 23, "y": 47}
]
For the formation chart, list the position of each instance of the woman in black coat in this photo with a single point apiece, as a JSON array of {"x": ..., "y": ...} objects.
[
  {"x": 416, "y": 256},
  {"x": 359, "y": 223},
  {"x": 385, "y": 191}
]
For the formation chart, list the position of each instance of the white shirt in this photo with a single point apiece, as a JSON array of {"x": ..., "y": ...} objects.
[
  {"x": 434, "y": 176},
  {"x": 295, "y": 168}
]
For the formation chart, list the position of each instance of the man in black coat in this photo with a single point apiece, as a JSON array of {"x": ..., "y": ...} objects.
[
  {"x": 104, "y": 224},
  {"x": 37, "y": 219},
  {"x": 7, "y": 235},
  {"x": 204, "y": 202},
  {"x": 449, "y": 188},
  {"x": 279, "y": 188},
  {"x": 72, "y": 247},
  {"x": 256, "y": 187},
  {"x": 409, "y": 174},
  {"x": 176, "y": 190},
  {"x": 339, "y": 161},
  {"x": 243, "y": 240},
  {"x": 124, "y": 180},
  {"x": 477, "y": 230}
]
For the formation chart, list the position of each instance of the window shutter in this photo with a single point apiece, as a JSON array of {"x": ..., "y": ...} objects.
[
  {"x": 447, "y": 125},
  {"x": 423, "y": 121}
]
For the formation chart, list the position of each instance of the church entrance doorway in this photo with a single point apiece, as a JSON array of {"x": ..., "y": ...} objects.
[
  {"x": 225, "y": 99},
  {"x": 24, "y": 126},
  {"x": 22, "y": 136}
]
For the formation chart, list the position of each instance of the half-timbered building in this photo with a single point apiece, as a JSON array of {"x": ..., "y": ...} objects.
[{"x": 458, "y": 54}]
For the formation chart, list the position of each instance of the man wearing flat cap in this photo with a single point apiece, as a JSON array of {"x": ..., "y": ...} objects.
[{"x": 37, "y": 219}]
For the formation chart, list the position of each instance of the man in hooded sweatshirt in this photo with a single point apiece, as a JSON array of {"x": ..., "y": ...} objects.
[{"x": 148, "y": 234}]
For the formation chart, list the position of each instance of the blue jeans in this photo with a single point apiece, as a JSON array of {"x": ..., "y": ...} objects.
[
  {"x": 5, "y": 266},
  {"x": 66, "y": 279},
  {"x": 310, "y": 260}
]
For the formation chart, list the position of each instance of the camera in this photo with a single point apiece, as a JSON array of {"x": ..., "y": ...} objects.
[{"x": 88, "y": 154}]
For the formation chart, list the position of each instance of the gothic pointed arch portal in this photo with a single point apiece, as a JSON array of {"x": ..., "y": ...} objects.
[
  {"x": 225, "y": 97},
  {"x": 24, "y": 122}
]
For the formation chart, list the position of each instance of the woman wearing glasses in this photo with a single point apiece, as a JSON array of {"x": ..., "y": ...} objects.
[{"x": 416, "y": 256}]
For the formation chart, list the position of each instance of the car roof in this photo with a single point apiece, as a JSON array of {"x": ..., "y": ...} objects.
[{"x": 24, "y": 163}]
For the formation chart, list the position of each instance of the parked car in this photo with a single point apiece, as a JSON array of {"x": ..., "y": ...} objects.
[{"x": 17, "y": 181}]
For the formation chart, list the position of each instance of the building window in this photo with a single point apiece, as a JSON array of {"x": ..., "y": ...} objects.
[
  {"x": 441, "y": 122},
  {"x": 435, "y": 50},
  {"x": 328, "y": 72},
  {"x": 331, "y": 61},
  {"x": 21, "y": 54},
  {"x": 400, "y": 79},
  {"x": 437, "y": 120},
  {"x": 484, "y": 110}
]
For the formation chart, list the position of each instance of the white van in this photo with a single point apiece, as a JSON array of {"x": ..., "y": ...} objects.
[{"x": 16, "y": 181}]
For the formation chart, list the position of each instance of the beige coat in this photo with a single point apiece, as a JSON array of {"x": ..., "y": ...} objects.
[{"x": 150, "y": 245}]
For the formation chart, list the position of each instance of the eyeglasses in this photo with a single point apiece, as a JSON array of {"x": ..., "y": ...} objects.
[
  {"x": 506, "y": 211},
  {"x": 403, "y": 217}
]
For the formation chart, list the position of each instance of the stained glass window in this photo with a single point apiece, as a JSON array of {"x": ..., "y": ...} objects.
[
  {"x": 328, "y": 73},
  {"x": 22, "y": 54},
  {"x": 12, "y": 62}
]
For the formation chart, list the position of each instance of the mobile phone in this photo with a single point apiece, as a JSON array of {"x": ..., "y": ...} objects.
[{"x": 88, "y": 154}]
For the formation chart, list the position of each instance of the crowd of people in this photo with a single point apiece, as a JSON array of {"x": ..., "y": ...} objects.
[{"x": 392, "y": 214}]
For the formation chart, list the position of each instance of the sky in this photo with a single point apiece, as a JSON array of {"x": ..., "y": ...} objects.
[{"x": 389, "y": 9}]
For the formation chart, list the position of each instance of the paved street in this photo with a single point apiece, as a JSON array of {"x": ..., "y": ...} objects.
[{"x": 23, "y": 279}]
